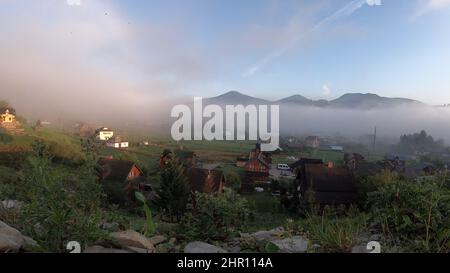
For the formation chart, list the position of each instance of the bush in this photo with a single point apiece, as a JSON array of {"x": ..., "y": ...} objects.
[
  {"x": 415, "y": 214},
  {"x": 233, "y": 181},
  {"x": 60, "y": 206},
  {"x": 174, "y": 189},
  {"x": 215, "y": 217},
  {"x": 332, "y": 232}
]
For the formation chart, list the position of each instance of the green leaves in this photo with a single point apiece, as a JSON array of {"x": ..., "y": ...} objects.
[{"x": 150, "y": 224}]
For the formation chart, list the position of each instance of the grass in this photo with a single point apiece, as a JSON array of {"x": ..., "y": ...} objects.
[
  {"x": 334, "y": 234},
  {"x": 268, "y": 211}
]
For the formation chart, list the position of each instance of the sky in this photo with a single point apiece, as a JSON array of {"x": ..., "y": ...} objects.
[{"x": 95, "y": 53}]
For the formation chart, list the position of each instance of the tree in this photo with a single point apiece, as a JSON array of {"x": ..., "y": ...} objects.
[
  {"x": 419, "y": 142},
  {"x": 175, "y": 190},
  {"x": 234, "y": 181}
]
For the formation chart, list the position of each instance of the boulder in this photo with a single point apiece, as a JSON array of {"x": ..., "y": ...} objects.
[
  {"x": 158, "y": 239},
  {"x": 100, "y": 249},
  {"x": 201, "y": 247},
  {"x": 131, "y": 238},
  {"x": 265, "y": 235},
  {"x": 11, "y": 240},
  {"x": 296, "y": 244}
]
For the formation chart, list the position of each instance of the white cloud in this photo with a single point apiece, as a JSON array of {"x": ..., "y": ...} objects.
[
  {"x": 74, "y": 2},
  {"x": 326, "y": 90},
  {"x": 373, "y": 2},
  {"x": 431, "y": 5}
]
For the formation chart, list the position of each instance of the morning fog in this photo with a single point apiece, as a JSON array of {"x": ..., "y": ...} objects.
[{"x": 237, "y": 123}]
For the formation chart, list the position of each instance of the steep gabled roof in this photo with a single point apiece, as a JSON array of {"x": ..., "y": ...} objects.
[
  {"x": 115, "y": 170},
  {"x": 304, "y": 161},
  {"x": 203, "y": 180},
  {"x": 11, "y": 110}
]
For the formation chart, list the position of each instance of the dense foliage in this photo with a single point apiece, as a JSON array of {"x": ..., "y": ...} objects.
[
  {"x": 174, "y": 189},
  {"x": 215, "y": 216},
  {"x": 60, "y": 205},
  {"x": 414, "y": 214}
]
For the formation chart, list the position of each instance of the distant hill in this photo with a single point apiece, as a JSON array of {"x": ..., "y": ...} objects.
[
  {"x": 234, "y": 98},
  {"x": 350, "y": 101}
]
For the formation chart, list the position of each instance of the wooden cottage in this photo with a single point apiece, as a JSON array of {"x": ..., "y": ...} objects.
[
  {"x": 323, "y": 185},
  {"x": 206, "y": 181},
  {"x": 119, "y": 178},
  {"x": 257, "y": 169}
]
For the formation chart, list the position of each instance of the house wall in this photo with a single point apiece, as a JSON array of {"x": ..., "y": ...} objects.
[
  {"x": 8, "y": 118},
  {"x": 256, "y": 166},
  {"x": 105, "y": 135},
  {"x": 113, "y": 145},
  {"x": 134, "y": 173}
]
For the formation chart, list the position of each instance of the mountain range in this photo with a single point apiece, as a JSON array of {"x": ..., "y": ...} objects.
[{"x": 347, "y": 101}]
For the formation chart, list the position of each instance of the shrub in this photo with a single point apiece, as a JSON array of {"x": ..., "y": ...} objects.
[
  {"x": 334, "y": 233},
  {"x": 174, "y": 189},
  {"x": 215, "y": 216},
  {"x": 416, "y": 214},
  {"x": 60, "y": 206},
  {"x": 233, "y": 181}
]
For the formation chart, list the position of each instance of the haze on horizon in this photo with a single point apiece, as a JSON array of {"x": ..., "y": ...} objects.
[{"x": 125, "y": 61}]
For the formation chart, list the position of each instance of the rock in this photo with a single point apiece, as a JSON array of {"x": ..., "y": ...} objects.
[
  {"x": 29, "y": 242},
  {"x": 296, "y": 244},
  {"x": 100, "y": 249},
  {"x": 201, "y": 247},
  {"x": 158, "y": 239},
  {"x": 266, "y": 235},
  {"x": 172, "y": 241},
  {"x": 360, "y": 249},
  {"x": 11, "y": 205},
  {"x": 11, "y": 240},
  {"x": 132, "y": 238},
  {"x": 138, "y": 250}
]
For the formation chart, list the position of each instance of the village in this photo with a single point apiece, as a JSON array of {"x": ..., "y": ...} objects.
[{"x": 305, "y": 172}]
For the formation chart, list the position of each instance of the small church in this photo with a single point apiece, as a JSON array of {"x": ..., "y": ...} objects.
[
  {"x": 8, "y": 115},
  {"x": 9, "y": 122}
]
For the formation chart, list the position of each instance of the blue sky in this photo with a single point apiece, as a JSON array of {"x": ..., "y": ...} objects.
[{"x": 265, "y": 48}]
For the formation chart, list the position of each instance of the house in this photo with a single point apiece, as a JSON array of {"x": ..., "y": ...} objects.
[
  {"x": 118, "y": 170},
  {"x": 300, "y": 164},
  {"x": 323, "y": 185},
  {"x": 185, "y": 157},
  {"x": 257, "y": 152},
  {"x": 257, "y": 167},
  {"x": 120, "y": 178},
  {"x": 241, "y": 161},
  {"x": 104, "y": 133},
  {"x": 9, "y": 122},
  {"x": 312, "y": 142},
  {"x": 188, "y": 158},
  {"x": 206, "y": 181},
  {"x": 117, "y": 143},
  {"x": 8, "y": 115}
]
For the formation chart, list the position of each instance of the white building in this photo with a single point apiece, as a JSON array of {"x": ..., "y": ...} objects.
[
  {"x": 104, "y": 133},
  {"x": 117, "y": 143}
]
